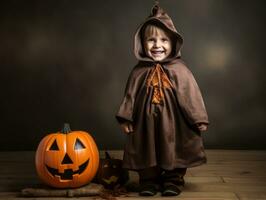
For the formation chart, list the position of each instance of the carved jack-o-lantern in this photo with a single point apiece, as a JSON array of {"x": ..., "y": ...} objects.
[
  {"x": 67, "y": 158},
  {"x": 110, "y": 172}
]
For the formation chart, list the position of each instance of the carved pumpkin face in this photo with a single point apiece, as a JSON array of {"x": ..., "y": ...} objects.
[
  {"x": 111, "y": 173},
  {"x": 67, "y": 159}
]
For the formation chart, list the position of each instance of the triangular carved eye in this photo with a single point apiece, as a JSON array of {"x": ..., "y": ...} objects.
[
  {"x": 54, "y": 146},
  {"x": 79, "y": 145}
]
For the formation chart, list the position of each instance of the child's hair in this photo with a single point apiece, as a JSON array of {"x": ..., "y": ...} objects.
[{"x": 151, "y": 27}]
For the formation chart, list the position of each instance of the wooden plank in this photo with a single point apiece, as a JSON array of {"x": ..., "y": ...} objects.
[
  {"x": 236, "y": 155},
  {"x": 5, "y": 195},
  {"x": 228, "y": 173},
  {"x": 247, "y": 164},
  {"x": 210, "y": 195},
  {"x": 51, "y": 198},
  {"x": 134, "y": 196},
  {"x": 187, "y": 196},
  {"x": 252, "y": 180},
  {"x": 225, "y": 187},
  {"x": 129, "y": 198},
  {"x": 252, "y": 195},
  {"x": 204, "y": 179}
]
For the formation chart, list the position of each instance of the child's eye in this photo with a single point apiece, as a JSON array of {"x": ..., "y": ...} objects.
[
  {"x": 150, "y": 39},
  {"x": 165, "y": 40}
]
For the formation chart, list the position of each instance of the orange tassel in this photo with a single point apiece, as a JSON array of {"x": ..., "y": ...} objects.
[{"x": 158, "y": 80}]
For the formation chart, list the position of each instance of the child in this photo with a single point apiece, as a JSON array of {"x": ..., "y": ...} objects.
[{"x": 162, "y": 112}]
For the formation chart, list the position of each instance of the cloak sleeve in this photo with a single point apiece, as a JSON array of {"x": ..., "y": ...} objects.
[
  {"x": 126, "y": 109},
  {"x": 189, "y": 96}
]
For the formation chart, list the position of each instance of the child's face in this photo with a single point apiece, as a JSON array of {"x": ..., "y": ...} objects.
[{"x": 157, "y": 43}]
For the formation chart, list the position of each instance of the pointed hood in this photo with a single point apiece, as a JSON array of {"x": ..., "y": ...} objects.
[{"x": 159, "y": 18}]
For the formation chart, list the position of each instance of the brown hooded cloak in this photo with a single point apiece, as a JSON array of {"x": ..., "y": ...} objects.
[{"x": 164, "y": 133}]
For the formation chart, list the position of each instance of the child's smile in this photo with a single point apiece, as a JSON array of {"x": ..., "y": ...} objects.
[{"x": 157, "y": 44}]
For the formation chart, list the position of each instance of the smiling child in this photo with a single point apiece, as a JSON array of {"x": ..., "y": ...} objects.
[{"x": 162, "y": 112}]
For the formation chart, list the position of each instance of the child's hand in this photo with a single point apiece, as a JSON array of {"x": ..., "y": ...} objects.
[
  {"x": 202, "y": 127},
  {"x": 127, "y": 127}
]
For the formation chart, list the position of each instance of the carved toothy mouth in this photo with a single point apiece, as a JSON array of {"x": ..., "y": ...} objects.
[{"x": 68, "y": 173}]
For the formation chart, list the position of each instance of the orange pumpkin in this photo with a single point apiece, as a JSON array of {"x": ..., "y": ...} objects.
[{"x": 67, "y": 159}]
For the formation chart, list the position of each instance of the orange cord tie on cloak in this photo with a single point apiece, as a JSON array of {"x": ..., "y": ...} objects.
[{"x": 158, "y": 80}]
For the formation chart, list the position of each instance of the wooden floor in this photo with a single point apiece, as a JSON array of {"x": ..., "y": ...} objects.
[{"x": 228, "y": 175}]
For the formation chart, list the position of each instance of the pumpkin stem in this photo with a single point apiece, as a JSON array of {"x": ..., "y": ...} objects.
[{"x": 66, "y": 128}]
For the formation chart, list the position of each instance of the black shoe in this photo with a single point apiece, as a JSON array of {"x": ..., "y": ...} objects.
[
  {"x": 176, "y": 181},
  {"x": 170, "y": 189},
  {"x": 148, "y": 189}
]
